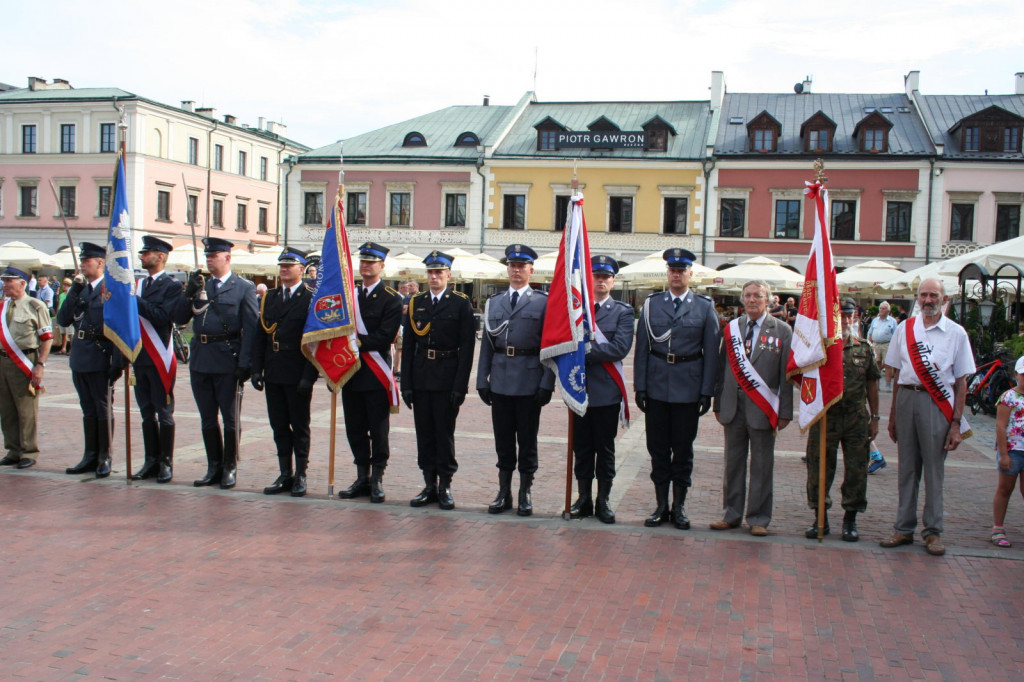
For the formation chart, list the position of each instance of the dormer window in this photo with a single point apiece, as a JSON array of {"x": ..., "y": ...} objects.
[
  {"x": 467, "y": 140},
  {"x": 972, "y": 138},
  {"x": 873, "y": 133},
  {"x": 818, "y": 133},
  {"x": 763, "y": 133},
  {"x": 1011, "y": 139},
  {"x": 657, "y": 130},
  {"x": 604, "y": 125},
  {"x": 414, "y": 139},
  {"x": 992, "y": 129},
  {"x": 547, "y": 134}
]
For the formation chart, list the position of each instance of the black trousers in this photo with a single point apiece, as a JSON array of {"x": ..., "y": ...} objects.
[
  {"x": 671, "y": 428},
  {"x": 154, "y": 404},
  {"x": 593, "y": 442},
  {"x": 288, "y": 410},
  {"x": 434, "y": 418},
  {"x": 367, "y": 425},
  {"x": 213, "y": 393},
  {"x": 92, "y": 393},
  {"x": 516, "y": 420}
]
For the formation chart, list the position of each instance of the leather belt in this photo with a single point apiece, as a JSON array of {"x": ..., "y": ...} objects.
[
  {"x": 213, "y": 338},
  {"x": 914, "y": 387},
  {"x": 83, "y": 334},
  {"x": 26, "y": 351},
  {"x": 277, "y": 346},
  {"x": 512, "y": 351},
  {"x": 672, "y": 358},
  {"x": 432, "y": 354}
]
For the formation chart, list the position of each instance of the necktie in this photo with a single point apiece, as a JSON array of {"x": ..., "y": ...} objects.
[
  {"x": 362, "y": 295},
  {"x": 749, "y": 342},
  {"x": 145, "y": 284},
  {"x": 90, "y": 289},
  {"x": 216, "y": 284},
  {"x": 515, "y": 298},
  {"x": 287, "y": 294},
  {"x": 676, "y": 303}
]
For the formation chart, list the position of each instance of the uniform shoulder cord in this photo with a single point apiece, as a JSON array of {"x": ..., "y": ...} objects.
[
  {"x": 412, "y": 322},
  {"x": 272, "y": 328}
]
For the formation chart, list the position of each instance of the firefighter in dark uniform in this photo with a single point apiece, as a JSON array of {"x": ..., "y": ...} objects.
[
  {"x": 436, "y": 362},
  {"x": 853, "y": 421},
  {"x": 511, "y": 379},
  {"x": 224, "y": 314},
  {"x": 280, "y": 368},
  {"x": 594, "y": 433},
  {"x": 91, "y": 368},
  {"x": 364, "y": 398},
  {"x": 675, "y": 367},
  {"x": 156, "y": 295}
]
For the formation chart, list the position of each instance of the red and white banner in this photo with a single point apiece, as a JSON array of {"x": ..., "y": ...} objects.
[
  {"x": 160, "y": 353},
  {"x": 618, "y": 375},
  {"x": 747, "y": 377},
  {"x": 16, "y": 354},
  {"x": 377, "y": 365},
  {"x": 939, "y": 384},
  {"x": 815, "y": 361}
]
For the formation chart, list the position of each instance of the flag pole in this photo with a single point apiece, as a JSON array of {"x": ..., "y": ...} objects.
[
  {"x": 330, "y": 460},
  {"x": 129, "y": 378},
  {"x": 819, "y": 176},
  {"x": 570, "y": 430}
]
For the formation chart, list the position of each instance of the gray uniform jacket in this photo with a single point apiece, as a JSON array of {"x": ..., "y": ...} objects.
[
  {"x": 683, "y": 367},
  {"x": 769, "y": 359},
  {"x": 517, "y": 375},
  {"x": 615, "y": 320},
  {"x": 233, "y": 313}
]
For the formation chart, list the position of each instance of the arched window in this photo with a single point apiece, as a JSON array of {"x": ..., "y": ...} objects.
[
  {"x": 414, "y": 139},
  {"x": 467, "y": 139}
]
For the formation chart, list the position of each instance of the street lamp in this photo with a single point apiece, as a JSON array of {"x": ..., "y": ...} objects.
[{"x": 986, "y": 307}]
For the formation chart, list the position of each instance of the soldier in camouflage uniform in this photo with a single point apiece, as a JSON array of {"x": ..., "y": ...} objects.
[{"x": 851, "y": 423}]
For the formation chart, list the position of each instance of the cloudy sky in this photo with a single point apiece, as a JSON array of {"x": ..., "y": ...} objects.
[{"x": 331, "y": 70}]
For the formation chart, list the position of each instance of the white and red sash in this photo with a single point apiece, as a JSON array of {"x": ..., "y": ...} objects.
[
  {"x": 937, "y": 381},
  {"x": 7, "y": 340},
  {"x": 747, "y": 377},
  {"x": 377, "y": 365},
  {"x": 161, "y": 354},
  {"x": 617, "y": 374}
]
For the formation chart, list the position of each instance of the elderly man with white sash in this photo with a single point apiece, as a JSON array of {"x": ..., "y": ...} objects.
[{"x": 931, "y": 359}]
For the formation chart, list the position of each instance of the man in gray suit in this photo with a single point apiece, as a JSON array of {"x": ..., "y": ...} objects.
[
  {"x": 752, "y": 400},
  {"x": 594, "y": 433},
  {"x": 674, "y": 379},
  {"x": 510, "y": 378}
]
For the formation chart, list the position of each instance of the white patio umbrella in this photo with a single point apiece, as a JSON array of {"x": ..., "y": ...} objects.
[
  {"x": 651, "y": 270},
  {"x": 907, "y": 282},
  {"x": 758, "y": 267},
  {"x": 544, "y": 266},
  {"x": 863, "y": 277},
  {"x": 63, "y": 259},
  {"x": 990, "y": 257},
  {"x": 24, "y": 257},
  {"x": 404, "y": 266}
]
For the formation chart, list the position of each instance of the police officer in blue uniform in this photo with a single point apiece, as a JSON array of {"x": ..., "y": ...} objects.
[
  {"x": 594, "y": 433},
  {"x": 223, "y": 310},
  {"x": 510, "y": 378},
  {"x": 364, "y": 398},
  {"x": 91, "y": 367},
  {"x": 675, "y": 370},
  {"x": 157, "y": 295},
  {"x": 436, "y": 362},
  {"x": 280, "y": 368}
]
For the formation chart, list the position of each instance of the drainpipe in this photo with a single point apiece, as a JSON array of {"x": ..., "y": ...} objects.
[
  {"x": 291, "y": 164},
  {"x": 209, "y": 173},
  {"x": 708, "y": 165},
  {"x": 928, "y": 228},
  {"x": 483, "y": 198},
  {"x": 279, "y": 193}
]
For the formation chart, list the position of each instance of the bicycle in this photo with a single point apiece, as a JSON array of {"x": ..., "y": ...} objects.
[{"x": 984, "y": 389}]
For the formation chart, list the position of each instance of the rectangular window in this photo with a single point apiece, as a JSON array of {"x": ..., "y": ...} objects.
[
  {"x": 28, "y": 139},
  {"x": 787, "y": 219},
  {"x": 163, "y": 205},
  {"x": 1007, "y": 222},
  {"x": 817, "y": 139},
  {"x": 1011, "y": 139},
  {"x": 897, "y": 221},
  {"x": 356, "y": 208},
  {"x": 241, "y": 163},
  {"x": 620, "y": 214},
  {"x": 218, "y": 157},
  {"x": 108, "y": 138},
  {"x": 29, "y": 196},
  {"x": 218, "y": 213},
  {"x": 400, "y": 212},
  {"x": 546, "y": 140},
  {"x": 874, "y": 139},
  {"x": 561, "y": 211},
  {"x": 67, "y": 138},
  {"x": 962, "y": 223},
  {"x": 193, "y": 151},
  {"x": 263, "y": 168},
  {"x": 657, "y": 139},
  {"x": 731, "y": 216},
  {"x": 844, "y": 219},
  {"x": 264, "y": 215},
  {"x": 675, "y": 216},
  {"x": 455, "y": 210},
  {"x": 314, "y": 209},
  {"x": 971, "y": 138},
  {"x": 514, "y": 217},
  {"x": 67, "y": 201},
  {"x": 191, "y": 206},
  {"x": 763, "y": 140},
  {"x": 103, "y": 200},
  {"x": 242, "y": 222}
]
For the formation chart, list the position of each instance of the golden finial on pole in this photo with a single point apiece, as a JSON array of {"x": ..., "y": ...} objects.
[{"x": 819, "y": 171}]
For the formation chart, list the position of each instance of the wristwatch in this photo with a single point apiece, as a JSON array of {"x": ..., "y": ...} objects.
[
  {"x": 41, "y": 364},
  {"x": 876, "y": 416}
]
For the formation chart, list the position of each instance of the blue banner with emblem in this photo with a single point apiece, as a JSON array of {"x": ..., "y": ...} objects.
[{"x": 120, "y": 309}]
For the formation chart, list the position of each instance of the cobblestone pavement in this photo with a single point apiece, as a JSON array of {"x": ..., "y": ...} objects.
[{"x": 109, "y": 580}]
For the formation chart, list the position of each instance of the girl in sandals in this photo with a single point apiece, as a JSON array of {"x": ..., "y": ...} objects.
[{"x": 1010, "y": 449}]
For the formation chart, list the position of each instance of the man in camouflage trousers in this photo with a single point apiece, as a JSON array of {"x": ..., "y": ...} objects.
[{"x": 853, "y": 421}]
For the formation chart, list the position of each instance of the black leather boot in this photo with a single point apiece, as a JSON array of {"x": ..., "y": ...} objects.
[
  {"x": 850, "y": 527},
  {"x": 584, "y": 504},
  {"x": 87, "y": 464},
  {"x": 503, "y": 501},
  {"x": 444, "y": 493},
  {"x": 151, "y": 446},
  {"x": 429, "y": 492},
  {"x": 299, "y": 480},
  {"x": 376, "y": 484},
  {"x": 214, "y": 456},
  {"x": 603, "y": 510},
  {"x": 361, "y": 486},
  {"x": 679, "y": 519},
  {"x": 812, "y": 531},
  {"x": 230, "y": 462},
  {"x": 166, "y": 468},
  {"x": 661, "y": 513},
  {"x": 283, "y": 483},
  {"x": 525, "y": 501},
  {"x": 103, "y": 461}
]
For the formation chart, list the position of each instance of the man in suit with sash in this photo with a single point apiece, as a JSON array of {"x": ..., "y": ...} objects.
[
  {"x": 753, "y": 401},
  {"x": 223, "y": 311},
  {"x": 280, "y": 368}
]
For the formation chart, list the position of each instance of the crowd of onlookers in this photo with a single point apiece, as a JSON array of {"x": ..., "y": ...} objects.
[{"x": 52, "y": 291}]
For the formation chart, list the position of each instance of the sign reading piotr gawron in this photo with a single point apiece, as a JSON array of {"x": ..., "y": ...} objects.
[{"x": 602, "y": 140}]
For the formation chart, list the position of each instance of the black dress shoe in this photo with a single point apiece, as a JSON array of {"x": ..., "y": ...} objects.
[
  {"x": 299, "y": 486},
  {"x": 26, "y": 463},
  {"x": 227, "y": 479},
  {"x": 427, "y": 496},
  {"x": 281, "y": 485},
  {"x": 679, "y": 518},
  {"x": 812, "y": 531},
  {"x": 850, "y": 527},
  {"x": 9, "y": 461}
]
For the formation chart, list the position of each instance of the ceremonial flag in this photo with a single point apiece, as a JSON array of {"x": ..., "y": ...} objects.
[
  {"x": 120, "y": 309},
  {"x": 329, "y": 337},
  {"x": 570, "y": 314},
  {"x": 815, "y": 361}
]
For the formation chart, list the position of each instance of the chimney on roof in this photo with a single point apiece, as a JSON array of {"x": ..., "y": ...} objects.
[
  {"x": 228, "y": 118},
  {"x": 717, "y": 89},
  {"x": 807, "y": 85},
  {"x": 60, "y": 84},
  {"x": 261, "y": 123},
  {"x": 36, "y": 83},
  {"x": 276, "y": 128},
  {"x": 1018, "y": 81},
  {"x": 487, "y": 100},
  {"x": 208, "y": 112},
  {"x": 188, "y": 105},
  {"x": 912, "y": 82}
]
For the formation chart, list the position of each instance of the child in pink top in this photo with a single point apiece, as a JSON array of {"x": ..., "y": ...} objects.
[{"x": 1010, "y": 449}]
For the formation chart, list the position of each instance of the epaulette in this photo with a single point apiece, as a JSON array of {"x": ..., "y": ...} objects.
[
  {"x": 540, "y": 291},
  {"x": 655, "y": 294},
  {"x": 624, "y": 304},
  {"x": 391, "y": 291},
  {"x": 705, "y": 297},
  {"x": 459, "y": 293}
]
